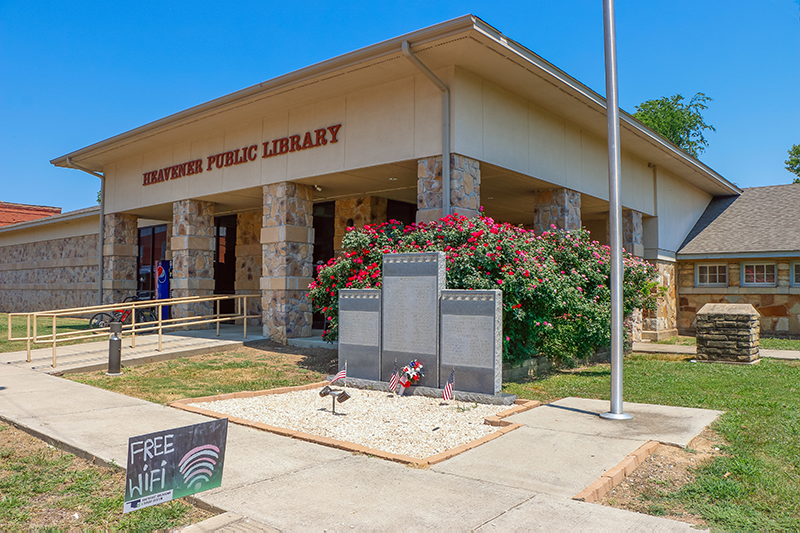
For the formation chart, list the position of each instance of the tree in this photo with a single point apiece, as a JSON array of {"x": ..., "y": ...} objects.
[
  {"x": 793, "y": 163},
  {"x": 681, "y": 123}
]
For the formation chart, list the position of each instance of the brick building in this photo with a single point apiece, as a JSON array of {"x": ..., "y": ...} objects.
[
  {"x": 11, "y": 213},
  {"x": 745, "y": 249}
]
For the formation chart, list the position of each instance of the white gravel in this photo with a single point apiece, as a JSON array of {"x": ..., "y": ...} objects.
[{"x": 415, "y": 426}]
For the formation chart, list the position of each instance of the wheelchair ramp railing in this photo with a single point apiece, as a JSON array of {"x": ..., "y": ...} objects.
[{"x": 154, "y": 324}]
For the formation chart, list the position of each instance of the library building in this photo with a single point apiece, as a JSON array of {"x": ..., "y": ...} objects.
[{"x": 245, "y": 194}]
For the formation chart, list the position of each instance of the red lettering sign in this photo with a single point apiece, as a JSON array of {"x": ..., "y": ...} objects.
[
  {"x": 284, "y": 145},
  {"x": 174, "y": 172},
  {"x": 293, "y": 143}
]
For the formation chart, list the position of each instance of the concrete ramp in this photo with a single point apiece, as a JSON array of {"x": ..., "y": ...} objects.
[{"x": 93, "y": 356}]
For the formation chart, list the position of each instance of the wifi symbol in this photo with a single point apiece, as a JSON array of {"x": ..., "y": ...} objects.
[{"x": 197, "y": 466}]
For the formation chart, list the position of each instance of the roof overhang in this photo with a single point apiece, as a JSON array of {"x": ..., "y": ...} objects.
[
  {"x": 466, "y": 42},
  {"x": 739, "y": 255}
]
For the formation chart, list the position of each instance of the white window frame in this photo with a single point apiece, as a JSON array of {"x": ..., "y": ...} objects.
[
  {"x": 774, "y": 266},
  {"x": 795, "y": 273},
  {"x": 697, "y": 282}
]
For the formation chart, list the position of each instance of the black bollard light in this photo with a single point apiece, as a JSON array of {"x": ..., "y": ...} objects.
[{"x": 115, "y": 350}]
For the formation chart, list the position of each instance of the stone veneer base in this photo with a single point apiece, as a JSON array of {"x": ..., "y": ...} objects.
[
  {"x": 614, "y": 477},
  {"x": 659, "y": 335},
  {"x": 727, "y": 362},
  {"x": 496, "y": 421}
]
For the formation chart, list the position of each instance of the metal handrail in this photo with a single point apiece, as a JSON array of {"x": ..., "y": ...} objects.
[{"x": 133, "y": 328}]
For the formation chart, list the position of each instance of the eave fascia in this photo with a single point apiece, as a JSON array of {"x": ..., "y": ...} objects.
[{"x": 739, "y": 255}]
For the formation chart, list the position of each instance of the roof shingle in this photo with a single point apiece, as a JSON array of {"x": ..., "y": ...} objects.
[{"x": 761, "y": 219}]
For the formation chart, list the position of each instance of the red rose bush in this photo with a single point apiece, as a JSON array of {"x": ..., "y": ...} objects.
[{"x": 556, "y": 296}]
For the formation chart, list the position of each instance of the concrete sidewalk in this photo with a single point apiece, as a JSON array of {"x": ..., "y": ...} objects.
[
  {"x": 521, "y": 481},
  {"x": 692, "y": 350}
]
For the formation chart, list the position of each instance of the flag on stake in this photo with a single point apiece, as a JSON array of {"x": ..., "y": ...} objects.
[
  {"x": 341, "y": 375},
  {"x": 447, "y": 394},
  {"x": 395, "y": 378}
]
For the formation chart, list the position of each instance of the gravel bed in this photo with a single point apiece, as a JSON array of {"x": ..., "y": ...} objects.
[{"x": 415, "y": 426}]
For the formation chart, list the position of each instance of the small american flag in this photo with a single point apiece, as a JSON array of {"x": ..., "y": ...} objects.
[
  {"x": 341, "y": 375},
  {"x": 447, "y": 394},
  {"x": 395, "y": 378}
]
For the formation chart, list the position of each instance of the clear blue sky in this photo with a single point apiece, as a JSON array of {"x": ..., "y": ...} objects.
[{"x": 74, "y": 73}]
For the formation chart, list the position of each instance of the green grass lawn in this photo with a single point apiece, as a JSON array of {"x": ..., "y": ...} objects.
[
  {"x": 681, "y": 341},
  {"x": 243, "y": 369},
  {"x": 44, "y": 327},
  {"x": 761, "y": 426},
  {"x": 768, "y": 343},
  {"x": 43, "y": 488}
]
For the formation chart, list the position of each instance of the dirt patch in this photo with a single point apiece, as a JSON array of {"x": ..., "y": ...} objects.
[
  {"x": 322, "y": 360},
  {"x": 59, "y": 507},
  {"x": 667, "y": 470}
]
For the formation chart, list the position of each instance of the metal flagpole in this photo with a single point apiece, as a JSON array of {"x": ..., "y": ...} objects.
[{"x": 615, "y": 213}]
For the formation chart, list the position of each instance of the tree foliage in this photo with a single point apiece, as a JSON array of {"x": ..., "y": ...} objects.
[
  {"x": 682, "y": 123},
  {"x": 793, "y": 163},
  {"x": 556, "y": 293}
]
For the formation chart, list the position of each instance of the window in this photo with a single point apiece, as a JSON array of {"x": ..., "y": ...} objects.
[
  {"x": 796, "y": 274},
  {"x": 758, "y": 274},
  {"x": 712, "y": 275}
]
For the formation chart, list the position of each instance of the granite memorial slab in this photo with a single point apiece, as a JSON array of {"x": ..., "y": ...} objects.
[
  {"x": 360, "y": 332},
  {"x": 412, "y": 284},
  {"x": 471, "y": 339}
]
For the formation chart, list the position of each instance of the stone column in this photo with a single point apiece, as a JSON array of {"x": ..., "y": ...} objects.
[
  {"x": 556, "y": 207},
  {"x": 248, "y": 261},
  {"x": 120, "y": 253},
  {"x": 465, "y": 187},
  {"x": 287, "y": 240},
  {"x": 192, "y": 255},
  {"x": 728, "y": 333},
  {"x": 632, "y": 232},
  {"x": 663, "y": 322},
  {"x": 357, "y": 212}
]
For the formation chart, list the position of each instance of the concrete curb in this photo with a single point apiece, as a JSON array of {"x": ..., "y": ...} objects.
[
  {"x": 495, "y": 421},
  {"x": 614, "y": 477}
]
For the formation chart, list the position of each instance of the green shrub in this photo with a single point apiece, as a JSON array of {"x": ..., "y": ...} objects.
[{"x": 556, "y": 296}]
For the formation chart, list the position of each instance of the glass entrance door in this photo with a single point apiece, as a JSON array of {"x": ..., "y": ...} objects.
[{"x": 152, "y": 249}]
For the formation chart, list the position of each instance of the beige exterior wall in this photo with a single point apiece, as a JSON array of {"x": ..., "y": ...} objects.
[
  {"x": 779, "y": 306},
  {"x": 496, "y": 126},
  {"x": 396, "y": 121},
  {"x": 49, "y": 266},
  {"x": 679, "y": 207}
]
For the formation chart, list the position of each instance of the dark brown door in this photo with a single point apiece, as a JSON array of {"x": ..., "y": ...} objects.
[
  {"x": 225, "y": 260},
  {"x": 324, "y": 214}
]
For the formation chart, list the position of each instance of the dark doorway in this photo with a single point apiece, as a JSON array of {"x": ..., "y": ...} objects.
[
  {"x": 225, "y": 260},
  {"x": 152, "y": 249},
  {"x": 401, "y": 211},
  {"x": 324, "y": 218}
]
